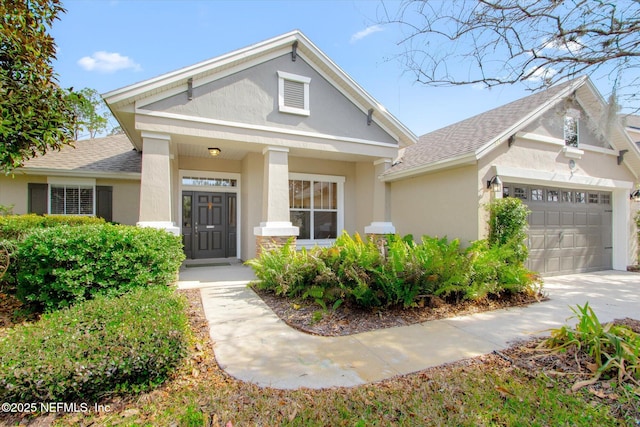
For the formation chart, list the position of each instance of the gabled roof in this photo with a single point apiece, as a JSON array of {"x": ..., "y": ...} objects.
[
  {"x": 124, "y": 99},
  {"x": 468, "y": 140},
  {"x": 111, "y": 156}
]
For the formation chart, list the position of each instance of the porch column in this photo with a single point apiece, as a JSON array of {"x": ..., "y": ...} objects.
[
  {"x": 155, "y": 183},
  {"x": 275, "y": 228},
  {"x": 381, "y": 223}
]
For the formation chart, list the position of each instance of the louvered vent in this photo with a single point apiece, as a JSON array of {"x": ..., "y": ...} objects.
[{"x": 293, "y": 94}]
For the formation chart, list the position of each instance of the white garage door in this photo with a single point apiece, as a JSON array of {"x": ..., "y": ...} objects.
[{"x": 569, "y": 230}]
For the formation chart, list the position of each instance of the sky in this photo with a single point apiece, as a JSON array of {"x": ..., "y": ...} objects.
[{"x": 109, "y": 44}]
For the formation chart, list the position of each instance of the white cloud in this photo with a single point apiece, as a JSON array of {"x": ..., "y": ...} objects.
[
  {"x": 542, "y": 74},
  {"x": 366, "y": 32},
  {"x": 108, "y": 62},
  {"x": 572, "y": 46}
]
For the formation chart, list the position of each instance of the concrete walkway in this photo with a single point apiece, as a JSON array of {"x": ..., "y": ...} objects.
[{"x": 253, "y": 344}]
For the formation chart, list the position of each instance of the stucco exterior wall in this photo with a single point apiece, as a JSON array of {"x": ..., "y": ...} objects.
[
  {"x": 251, "y": 96},
  {"x": 365, "y": 174},
  {"x": 437, "y": 204},
  {"x": 126, "y": 195}
]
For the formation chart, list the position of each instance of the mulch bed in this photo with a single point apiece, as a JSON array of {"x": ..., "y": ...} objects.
[{"x": 347, "y": 320}]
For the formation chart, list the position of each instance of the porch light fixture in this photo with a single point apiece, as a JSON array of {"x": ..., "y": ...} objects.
[
  {"x": 495, "y": 184},
  {"x": 635, "y": 196},
  {"x": 214, "y": 151}
]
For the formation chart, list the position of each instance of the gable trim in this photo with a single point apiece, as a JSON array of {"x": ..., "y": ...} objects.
[
  {"x": 462, "y": 160},
  {"x": 269, "y": 129}
]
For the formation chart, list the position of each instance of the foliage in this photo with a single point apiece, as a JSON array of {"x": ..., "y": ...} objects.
[
  {"x": 97, "y": 348},
  {"x": 508, "y": 226},
  {"x": 59, "y": 266},
  {"x": 16, "y": 227},
  {"x": 34, "y": 112},
  {"x": 6, "y": 210},
  {"x": 508, "y": 41},
  {"x": 85, "y": 104},
  {"x": 615, "y": 349},
  {"x": 391, "y": 271}
]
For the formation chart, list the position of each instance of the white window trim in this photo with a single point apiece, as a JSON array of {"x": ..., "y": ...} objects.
[
  {"x": 79, "y": 182},
  {"x": 339, "y": 180},
  {"x": 282, "y": 76}
]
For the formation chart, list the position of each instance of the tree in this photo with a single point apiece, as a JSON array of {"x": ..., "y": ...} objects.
[
  {"x": 86, "y": 105},
  {"x": 497, "y": 42},
  {"x": 34, "y": 112}
]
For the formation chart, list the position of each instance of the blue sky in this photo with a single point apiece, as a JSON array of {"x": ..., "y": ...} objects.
[{"x": 108, "y": 44}]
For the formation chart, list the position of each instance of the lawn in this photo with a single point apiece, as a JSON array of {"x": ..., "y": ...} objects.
[{"x": 514, "y": 387}]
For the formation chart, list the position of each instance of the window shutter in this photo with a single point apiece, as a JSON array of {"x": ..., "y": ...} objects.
[
  {"x": 104, "y": 202},
  {"x": 37, "y": 198},
  {"x": 293, "y": 94}
]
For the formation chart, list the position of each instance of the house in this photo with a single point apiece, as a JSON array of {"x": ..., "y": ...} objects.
[
  {"x": 275, "y": 141},
  {"x": 551, "y": 149},
  {"x": 94, "y": 177}
]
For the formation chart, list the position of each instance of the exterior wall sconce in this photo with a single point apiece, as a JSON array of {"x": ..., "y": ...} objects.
[
  {"x": 635, "y": 196},
  {"x": 495, "y": 184},
  {"x": 214, "y": 151}
]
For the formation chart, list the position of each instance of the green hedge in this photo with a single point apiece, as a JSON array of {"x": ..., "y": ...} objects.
[
  {"x": 16, "y": 227},
  {"x": 370, "y": 274},
  {"x": 56, "y": 267},
  {"x": 96, "y": 348}
]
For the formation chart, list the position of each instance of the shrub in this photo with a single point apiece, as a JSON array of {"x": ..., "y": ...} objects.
[
  {"x": 508, "y": 226},
  {"x": 96, "y": 348},
  {"x": 16, "y": 227},
  {"x": 59, "y": 266},
  {"x": 615, "y": 349}
]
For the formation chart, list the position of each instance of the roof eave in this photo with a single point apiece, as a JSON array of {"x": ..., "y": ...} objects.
[
  {"x": 79, "y": 173},
  {"x": 461, "y": 160}
]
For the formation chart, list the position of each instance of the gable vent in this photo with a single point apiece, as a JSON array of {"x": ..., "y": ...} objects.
[{"x": 293, "y": 94}]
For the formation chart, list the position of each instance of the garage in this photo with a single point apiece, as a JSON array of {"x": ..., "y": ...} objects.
[{"x": 570, "y": 230}]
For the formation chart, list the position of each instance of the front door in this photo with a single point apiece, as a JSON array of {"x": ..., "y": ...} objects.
[{"x": 209, "y": 224}]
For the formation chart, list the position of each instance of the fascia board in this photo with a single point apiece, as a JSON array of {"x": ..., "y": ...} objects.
[
  {"x": 465, "y": 159},
  {"x": 79, "y": 174}
]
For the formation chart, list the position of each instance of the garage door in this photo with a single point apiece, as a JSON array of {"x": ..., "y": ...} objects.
[{"x": 569, "y": 230}]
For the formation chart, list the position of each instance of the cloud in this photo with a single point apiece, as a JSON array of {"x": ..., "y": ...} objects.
[
  {"x": 572, "y": 46},
  {"x": 366, "y": 32},
  {"x": 541, "y": 74},
  {"x": 108, "y": 62}
]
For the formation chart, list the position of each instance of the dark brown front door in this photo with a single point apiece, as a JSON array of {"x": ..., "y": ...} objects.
[{"x": 209, "y": 224}]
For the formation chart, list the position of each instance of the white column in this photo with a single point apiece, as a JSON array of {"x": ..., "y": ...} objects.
[
  {"x": 381, "y": 223},
  {"x": 621, "y": 217},
  {"x": 155, "y": 183},
  {"x": 275, "y": 195}
]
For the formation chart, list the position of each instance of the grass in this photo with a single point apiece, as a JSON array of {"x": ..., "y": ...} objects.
[{"x": 485, "y": 391}]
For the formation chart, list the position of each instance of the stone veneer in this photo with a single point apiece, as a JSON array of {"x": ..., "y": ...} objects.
[{"x": 268, "y": 243}]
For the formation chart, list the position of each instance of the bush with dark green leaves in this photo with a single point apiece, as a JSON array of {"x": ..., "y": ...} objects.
[
  {"x": 59, "y": 266},
  {"x": 97, "y": 348}
]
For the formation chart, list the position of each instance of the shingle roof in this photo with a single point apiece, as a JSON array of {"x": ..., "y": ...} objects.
[
  {"x": 111, "y": 154},
  {"x": 470, "y": 135},
  {"x": 631, "y": 120}
]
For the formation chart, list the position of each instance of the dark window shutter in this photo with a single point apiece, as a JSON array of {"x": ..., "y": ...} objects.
[
  {"x": 104, "y": 202},
  {"x": 37, "y": 198}
]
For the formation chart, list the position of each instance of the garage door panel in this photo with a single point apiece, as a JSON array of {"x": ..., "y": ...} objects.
[
  {"x": 594, "y": 220},
  {"x": 552, "y": 241},
  {"x": 566, "y": 263},
  {"x": 580, "y": 218},
  {"x": 581, "y": 241},
  {"x": 553, "y": 265},
  {"x": 536, "y": 219},
  {"x": 553, "y": 218},
  {"x": 566, "y": 219},
  {"x": 567, "y": 241},
  {"x": 536, "y": 241}
]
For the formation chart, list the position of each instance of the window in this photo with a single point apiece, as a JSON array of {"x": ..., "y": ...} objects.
[
  {"x": 536, "y": 194},
  {"x": 71, "y": 199},
  {"x": 571, "y": 127},
  {"x": 315, "y": 206},
  {"x": 505, "y": 191},
  {"x": 209, "y": 182},
  {"x": 581, "y": 197},
  {"x": 593, "y": 198},
  {"x": 552, "y": 195},
  {"x": 605, "y": 199},
  {"x": 567, "y": 196},
  {"x": 520, "y": 193},
  {"x": 293, "y": 93}
]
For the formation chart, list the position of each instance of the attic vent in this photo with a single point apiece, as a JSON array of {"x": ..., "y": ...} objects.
[{"x": 293, "y": 93}]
